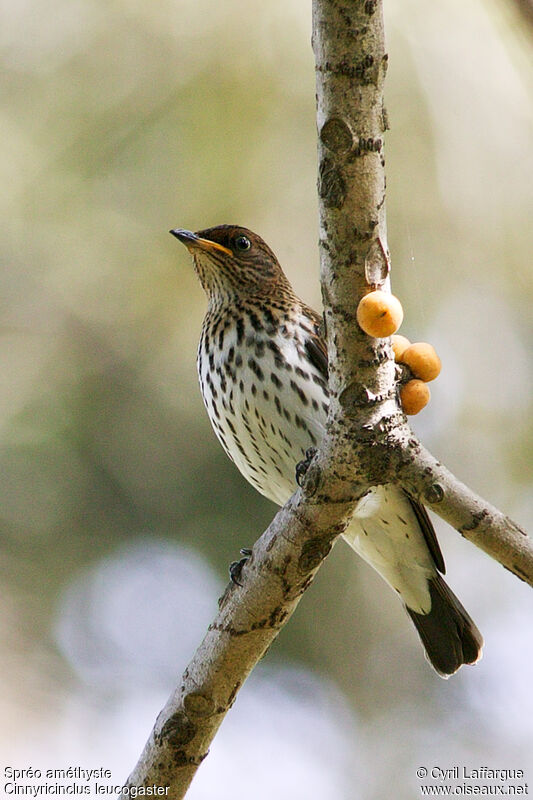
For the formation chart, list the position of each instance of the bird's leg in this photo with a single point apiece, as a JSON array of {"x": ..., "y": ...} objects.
[
  {"x": 235, "y": 568},
  {"x": 303, "y": 466}
]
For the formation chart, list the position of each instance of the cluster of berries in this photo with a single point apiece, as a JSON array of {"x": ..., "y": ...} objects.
[{"x": 380, "y": 314}]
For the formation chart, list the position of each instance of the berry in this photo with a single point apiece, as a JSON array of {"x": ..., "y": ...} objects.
[
  {"x": 399, "y": 345},
  {"x": 379, "y": 314},
  {"x": 414, "y": 395},
  {"x": 422, "y": 360}
]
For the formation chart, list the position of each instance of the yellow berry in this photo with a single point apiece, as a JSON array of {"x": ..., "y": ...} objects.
[
  {"x": 414, "y": 395},
  {"x": 399, "y": 345},
  {"x": 379, "y": 314},
  {"x": 422, "y": 360}
]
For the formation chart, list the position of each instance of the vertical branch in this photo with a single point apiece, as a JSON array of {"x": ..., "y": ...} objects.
[
  {"x": 348, "y": 41},
  {"x": 349, "y": 47}
]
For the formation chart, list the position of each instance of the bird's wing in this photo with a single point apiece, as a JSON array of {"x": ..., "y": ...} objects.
[
  {"x": 426, "y": 526},
  {"x": 315, "y": 345}
]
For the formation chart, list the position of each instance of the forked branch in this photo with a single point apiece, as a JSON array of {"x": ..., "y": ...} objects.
[{"x": 367, "y": 441}]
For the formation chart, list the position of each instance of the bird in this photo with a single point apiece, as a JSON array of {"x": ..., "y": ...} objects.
[{"x": 263, "y": 372}]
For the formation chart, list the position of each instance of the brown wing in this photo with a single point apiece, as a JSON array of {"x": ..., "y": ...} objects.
[
  {"x": 430, "y": 536},
  {"x": 315, "y": 346}
]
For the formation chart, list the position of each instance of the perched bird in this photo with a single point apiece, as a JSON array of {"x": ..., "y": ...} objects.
[{"x": 262, "y": 366}]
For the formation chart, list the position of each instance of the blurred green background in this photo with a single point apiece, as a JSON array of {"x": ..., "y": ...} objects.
[{"x": 120, "y": 512}]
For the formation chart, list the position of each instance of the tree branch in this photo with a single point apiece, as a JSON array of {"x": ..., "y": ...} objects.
[
  {"x": 367, "y": 441},
  {"x": 348, "y": 42},
  {"x": 478, "y": 521},
  {"x": 367, "y": 430},
  {"x": 282, "y": 566}
]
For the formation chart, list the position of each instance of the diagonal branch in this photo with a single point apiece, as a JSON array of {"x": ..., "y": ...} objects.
[
  {"x": 282, "y": 566},
  {"x": 476, "y": 519}
]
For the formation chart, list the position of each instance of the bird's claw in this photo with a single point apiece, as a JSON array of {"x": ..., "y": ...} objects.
[
  {"x": 303, "y": 465},
  {"x": 235, "y": 568}
]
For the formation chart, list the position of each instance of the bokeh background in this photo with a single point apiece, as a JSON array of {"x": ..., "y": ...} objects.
[{"x": 119, "y": 510}]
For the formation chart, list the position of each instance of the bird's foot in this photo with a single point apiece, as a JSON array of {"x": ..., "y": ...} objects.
[
  {"x": 303, "y": 466},
  {"x": 235, "y": 568}
]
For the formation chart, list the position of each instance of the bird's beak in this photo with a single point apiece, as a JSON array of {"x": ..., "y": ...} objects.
[{"x": 192, "y": 240}]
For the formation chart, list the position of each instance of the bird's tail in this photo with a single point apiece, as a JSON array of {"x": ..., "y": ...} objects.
[
  {"x": 394, "y": 534},
  {"x": 449, "y": 635}
]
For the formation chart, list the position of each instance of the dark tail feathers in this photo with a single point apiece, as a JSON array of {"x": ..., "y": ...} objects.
[{"x": 449, "y": 635}]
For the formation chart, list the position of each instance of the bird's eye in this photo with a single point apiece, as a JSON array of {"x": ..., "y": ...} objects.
[{"x": 242, "y": 243}]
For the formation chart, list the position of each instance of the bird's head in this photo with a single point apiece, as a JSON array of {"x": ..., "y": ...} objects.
[{"x": 233, "y": 262}]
